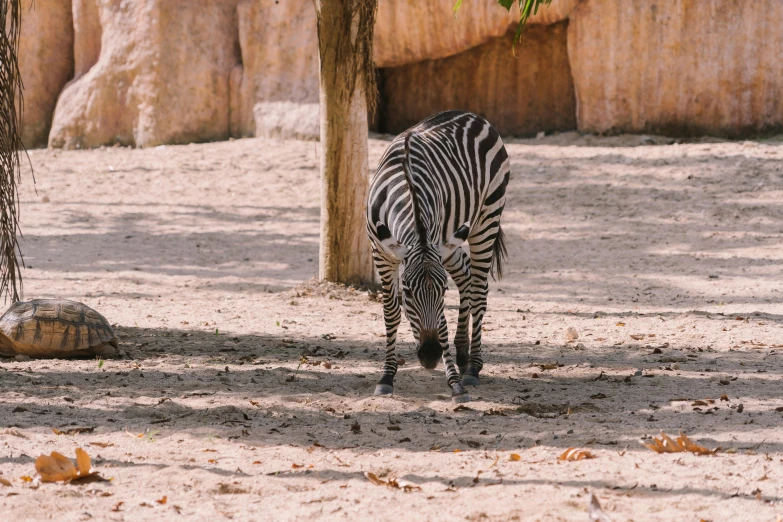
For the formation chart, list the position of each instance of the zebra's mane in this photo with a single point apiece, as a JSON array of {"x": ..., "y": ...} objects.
[{"x": 421, "y": 232}]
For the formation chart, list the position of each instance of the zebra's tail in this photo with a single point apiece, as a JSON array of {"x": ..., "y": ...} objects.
[{"x": 499, "y": 254}]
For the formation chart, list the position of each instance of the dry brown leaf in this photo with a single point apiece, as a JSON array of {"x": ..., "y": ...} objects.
[
  {"x": 25, "y": 478},
  {"x": 256, "y": 462},
  {"x": 55, "y": 468},
  {"x": 700, "y": 403},
  {"x": 74, "y": 431},
  {"x": 596, "y": 513},
  {"x": 101, "y": 444},
  {"x": 59, "y": 468},
  {"x": 392, "y": 483},
  {"x": 637, "y": 337},
  {"x": 575, "y": 454},
  {"x": 683, "y": 444},
  {"x": 724, "y": 397},
  {"x": 82, "y": 462},
  {"x": 297, "y": 466},
  {"x": 163, "y": 500},
  {"x": 5, "y": 482},
  {"x": 620, "y": 324},
  {"x": 514, "y": 457}
]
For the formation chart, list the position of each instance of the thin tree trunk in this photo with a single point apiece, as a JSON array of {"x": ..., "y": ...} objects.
[{"x": 345, "y": 47}]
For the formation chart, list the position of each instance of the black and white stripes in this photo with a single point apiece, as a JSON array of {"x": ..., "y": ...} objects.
[{"x": 439, "y": 184}]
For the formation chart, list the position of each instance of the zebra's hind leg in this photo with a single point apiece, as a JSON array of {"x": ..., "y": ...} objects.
[
  {"x": 458, "y": 267},
  {"x": 391, "y": 316},
  {"x": 481, "y": 254},
  {"x": 458, "y": 392}
]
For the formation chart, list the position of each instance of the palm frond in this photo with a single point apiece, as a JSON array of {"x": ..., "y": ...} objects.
[{"x": 11, "y": 148}]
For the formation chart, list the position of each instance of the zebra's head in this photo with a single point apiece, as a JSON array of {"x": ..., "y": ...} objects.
[
  {"x": 424, "y": 282},
  {"x": 423, "y": 288}
]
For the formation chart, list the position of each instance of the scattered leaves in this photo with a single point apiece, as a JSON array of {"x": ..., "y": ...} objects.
[
  {"x": 575, "y": 454},
  {"x": 683, "y": 444}
]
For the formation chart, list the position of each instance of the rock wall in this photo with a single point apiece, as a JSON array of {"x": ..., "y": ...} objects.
[
  {"x": 149, "y": 72},
  {"x": 518, "y": 95},
  {"x": 678, "y": 67},
  {"x": 46, "y": 64},
  {"x": 409, "y": 31},
  {"x": 87, "y": 35},
  {"x": 277, "y": 86},
  {"x": 162, "y": 76}
]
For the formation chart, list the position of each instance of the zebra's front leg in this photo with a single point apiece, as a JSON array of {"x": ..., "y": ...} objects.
[
  {"x": 458, "y": 392},
  {"x": 458, "y": 267},
  {"x": 391, "y": 316}
]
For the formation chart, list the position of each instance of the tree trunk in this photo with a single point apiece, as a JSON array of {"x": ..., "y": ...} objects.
[{"x": 345, "y": 48}]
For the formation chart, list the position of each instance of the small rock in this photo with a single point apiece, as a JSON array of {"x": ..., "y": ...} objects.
[
  {"x": 713, "y": 276},
  {"x": 22, "y": 358},
  {"x": 676, "y": 366},
  {"x": 740, "y": 408},
  {"x": 572, "y": 334},
  {"x": 540, "y": 135},
  {"x": 580, "y": 346},
  {"x": 637, "y": 373},
  {"x": 45, "y": 199}
]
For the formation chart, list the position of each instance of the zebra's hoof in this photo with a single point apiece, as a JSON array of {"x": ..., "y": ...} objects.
[
  {"x": 470, "y": 380},
  {"x": 459, "y": 394},
  {"x": 384, "y": 389},
  {"x": 462, "y": 398}
]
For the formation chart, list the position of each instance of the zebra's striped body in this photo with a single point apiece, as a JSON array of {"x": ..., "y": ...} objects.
[{"x": 439, "y": 184}]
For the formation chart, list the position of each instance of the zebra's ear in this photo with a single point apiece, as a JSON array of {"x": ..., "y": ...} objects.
[
  {"x": 459, "y": 237},
  {"x": 396, "y": 248},
  {"x": 389, "y": 243}
]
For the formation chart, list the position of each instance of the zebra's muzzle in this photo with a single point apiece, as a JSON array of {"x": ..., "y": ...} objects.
[{"x": 430, "y": 351}]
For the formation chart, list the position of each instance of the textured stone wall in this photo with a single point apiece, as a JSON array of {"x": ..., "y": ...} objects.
[
  {"x": 46, "y": 64},
  {"x": 678, "y": 67},
  {"x": 277, "y": 85},
  {"x": 147, "y": 72},
  {"x": 519, "y": 95},
  {"x": 409, "y": 31},
  {"x": 162, "y": 76}
]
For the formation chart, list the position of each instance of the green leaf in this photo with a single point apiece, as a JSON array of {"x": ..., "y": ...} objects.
[
  {"x": 456, "y": 7},
  {"x": 507, "y": 4},
  {"x": 526, "y": 9}
]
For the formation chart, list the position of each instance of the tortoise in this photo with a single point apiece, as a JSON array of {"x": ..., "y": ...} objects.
[{"x": 55, "y": 328}]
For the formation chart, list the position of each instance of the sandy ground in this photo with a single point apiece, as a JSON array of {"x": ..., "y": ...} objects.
[{"x": 245, "y": 392}]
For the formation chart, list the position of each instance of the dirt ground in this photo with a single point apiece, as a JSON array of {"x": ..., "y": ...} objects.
[{"x": 244, "y": 389}]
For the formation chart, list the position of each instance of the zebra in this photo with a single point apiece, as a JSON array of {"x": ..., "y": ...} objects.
[{"x": 439, "y": 184}]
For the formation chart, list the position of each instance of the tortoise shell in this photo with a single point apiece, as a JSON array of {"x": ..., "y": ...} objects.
[{"x": 55, "y": 328}]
